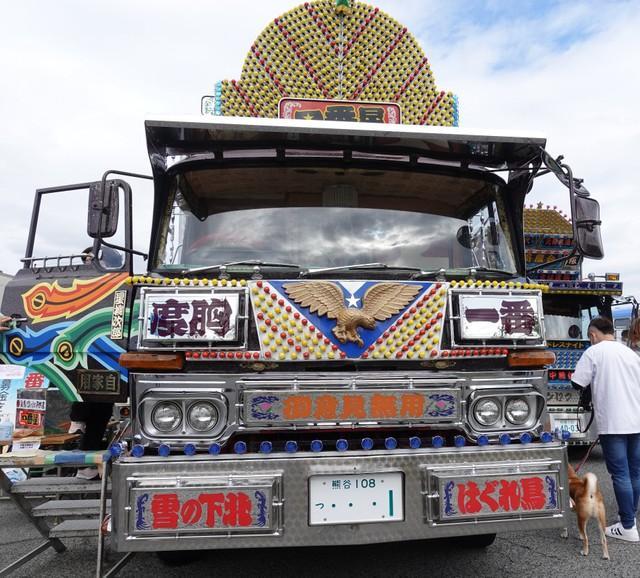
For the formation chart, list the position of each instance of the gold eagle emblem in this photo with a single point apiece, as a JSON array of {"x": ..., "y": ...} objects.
[{"x": 379, "y": 303}]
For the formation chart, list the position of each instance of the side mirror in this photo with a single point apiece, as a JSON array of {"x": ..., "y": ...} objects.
[
  {"x": 102, "y": 221},
  {"x": 586, "y": 227},
  {"x": 584, "y": 210}
]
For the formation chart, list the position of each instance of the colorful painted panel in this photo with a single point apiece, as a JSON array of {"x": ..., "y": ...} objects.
[
  {"x": 275, "y": 407},
  {"x": 69, "y": 328}
]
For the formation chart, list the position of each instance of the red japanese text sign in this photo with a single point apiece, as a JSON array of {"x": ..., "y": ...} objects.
[
  {"x": 340, "y": 110},
  {"x": 206, "y": 509},
  {"x": 498, "y": 495}
]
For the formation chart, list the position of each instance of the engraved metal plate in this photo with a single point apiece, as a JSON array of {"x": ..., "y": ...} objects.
[
  {"x": 190, "y": 316},
  {"x": 388, "y": 405},
  {"x": 493, "y": 317}
]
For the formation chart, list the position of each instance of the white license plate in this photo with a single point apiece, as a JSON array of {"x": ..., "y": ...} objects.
[
  {"x": 570, "y": 425},
  {"x": 356, "y": 498}
]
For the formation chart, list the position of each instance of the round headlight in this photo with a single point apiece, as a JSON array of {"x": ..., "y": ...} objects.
[
  {"x": 517, "y": 410},
  {"x": 166, "y": 416},
  {"x": 202, "y": 416},
  {"x": 486, "y": 411}
]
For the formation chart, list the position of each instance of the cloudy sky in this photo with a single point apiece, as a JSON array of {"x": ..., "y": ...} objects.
[{"x": 79, "y": 78}]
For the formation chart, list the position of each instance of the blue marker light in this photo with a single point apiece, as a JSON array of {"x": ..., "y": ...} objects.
[
  {"x": 190, "y": 449},
  {"x": 437, "y": 441},
  {"x": 291, "y": 446},
  {"x": 526, "y": 438},
  {"x": 566, "y": 435},
  {"x": 115, "y": 450},
  {"x": 215, "y": 449},
  {"x": 342, "y": 445},
  {"x": 546, "y": 437},
  {"x": 415, "y": 442},
  {"x": 316, "y": 445},
  {"x": 367, "y": 444},
  {"x": 164, "y": 450},
  {"x": 391, "y": 443},
  {"x": 266, "y": 447},
  {"x": 137, "y": 451},
  {"x": 483, "y": 440},
  {"x": 459, "y": 441},
  {"x": 240, "y": 447},
  {"x": 504, "y": 439}
]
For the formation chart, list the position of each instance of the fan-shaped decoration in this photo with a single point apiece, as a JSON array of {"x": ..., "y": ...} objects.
[{"x": 336, "y": 49}]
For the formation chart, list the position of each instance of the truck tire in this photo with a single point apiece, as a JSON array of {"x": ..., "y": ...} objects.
[
  {"x": 179, "y": 557},
  {"x": 478, "y": 541}
]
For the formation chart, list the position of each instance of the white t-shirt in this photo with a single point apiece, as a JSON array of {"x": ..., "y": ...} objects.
[{"x": 613, "y": 372}]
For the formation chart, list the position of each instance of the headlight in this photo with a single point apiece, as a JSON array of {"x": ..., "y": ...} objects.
[
  {"x": 486, "y": 411},
  {"x": 166, "y": 416},
  {"x": 517, "y": 410},
  {"x": 202, "y": 416}
]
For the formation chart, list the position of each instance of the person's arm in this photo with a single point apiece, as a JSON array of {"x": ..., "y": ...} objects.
[
  {"x": 583, "y": 373},
  {"x": 5, "y": 323}
]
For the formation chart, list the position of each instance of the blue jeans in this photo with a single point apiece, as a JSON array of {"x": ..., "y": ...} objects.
[{"x": 622, "y": 455}]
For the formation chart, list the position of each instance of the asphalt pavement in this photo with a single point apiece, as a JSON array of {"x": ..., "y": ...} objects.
[{"x": 522, "y": 554}]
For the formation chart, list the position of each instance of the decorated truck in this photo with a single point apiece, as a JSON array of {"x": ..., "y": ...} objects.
[
  {"x": 569, "y": 303},
  {"x": 335, "y": 340}
]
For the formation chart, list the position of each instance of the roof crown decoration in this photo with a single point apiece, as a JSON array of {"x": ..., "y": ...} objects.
[{"x": 336, "y": 50}]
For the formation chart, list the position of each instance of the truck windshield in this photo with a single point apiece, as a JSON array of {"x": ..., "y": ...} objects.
[{"x": 446, "y": 223}]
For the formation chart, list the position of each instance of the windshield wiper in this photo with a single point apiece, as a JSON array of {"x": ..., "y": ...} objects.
[
  {"x": 462, "y": 271},
  {"x": 357, "y": 266},
  {"x": 254, "y": 262}
]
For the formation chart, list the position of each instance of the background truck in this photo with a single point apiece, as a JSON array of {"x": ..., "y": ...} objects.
[
  {"x": 335, "y": 340},
  {"x": 570, "y": 302}
]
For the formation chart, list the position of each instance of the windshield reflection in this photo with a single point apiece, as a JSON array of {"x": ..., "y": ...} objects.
[{"x": 316, "y": 237}]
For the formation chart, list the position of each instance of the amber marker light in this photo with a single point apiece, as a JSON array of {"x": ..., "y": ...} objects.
[
  {"x": 530, "y": 358},
  {"x": 152, "y": 361}
]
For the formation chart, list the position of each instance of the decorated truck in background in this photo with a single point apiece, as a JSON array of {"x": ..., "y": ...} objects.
[
  {"x": 335, "y": 340},
  {"x": 569, "y": 303}
]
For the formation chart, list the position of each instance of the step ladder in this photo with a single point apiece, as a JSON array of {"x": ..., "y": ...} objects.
[{"x": 60, "y": 507}]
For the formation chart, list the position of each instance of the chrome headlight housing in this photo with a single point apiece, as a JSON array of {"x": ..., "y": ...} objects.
[
  {"x": 517, "y": 410},
  {"x": 486, "y": 411},
  {"x": 202, "y": 416},
  {"x": 166, "y": 416}
]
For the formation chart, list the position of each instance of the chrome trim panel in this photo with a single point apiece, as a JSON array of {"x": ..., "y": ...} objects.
[
  {"x": 233, "y": 387},
  {"x": 291, "y": 479}
]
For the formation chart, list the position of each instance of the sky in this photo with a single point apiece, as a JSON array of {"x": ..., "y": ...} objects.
[{"x": 79, "y": 78}]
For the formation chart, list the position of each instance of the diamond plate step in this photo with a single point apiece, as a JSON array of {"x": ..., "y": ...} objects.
[
  {"x": 75, "y": 528},
  {"x": 69, "y": 508},
  {"x": 54, "y": 485}
]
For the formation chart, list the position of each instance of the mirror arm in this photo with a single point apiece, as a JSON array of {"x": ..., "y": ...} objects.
[{"x": 119, "y": 248}]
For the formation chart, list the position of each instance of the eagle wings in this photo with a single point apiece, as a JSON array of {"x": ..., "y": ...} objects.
[{"x": 379, "y": 303}]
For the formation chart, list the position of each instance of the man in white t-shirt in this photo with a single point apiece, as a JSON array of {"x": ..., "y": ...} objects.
[{"x": 613, "y": 372}]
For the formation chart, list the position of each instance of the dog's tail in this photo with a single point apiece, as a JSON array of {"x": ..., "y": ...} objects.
[{"x": 591, "y": 485}]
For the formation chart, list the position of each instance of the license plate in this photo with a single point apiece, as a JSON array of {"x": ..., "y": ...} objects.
[
  {"x": 563, "y": 397},
  {"x": 570, "y": 425},
  {"x": 355, "y": 499}
]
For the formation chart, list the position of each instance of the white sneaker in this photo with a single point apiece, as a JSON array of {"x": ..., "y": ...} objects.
[
  {"x": 91, "y": 473},
  {"x": 618, "y": 531}
]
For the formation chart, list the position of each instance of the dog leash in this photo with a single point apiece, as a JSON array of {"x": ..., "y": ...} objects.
[{"x": 586, "y": 455}]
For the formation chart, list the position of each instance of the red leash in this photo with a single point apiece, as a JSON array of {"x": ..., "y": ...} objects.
[{"x": 586, "y": 456}]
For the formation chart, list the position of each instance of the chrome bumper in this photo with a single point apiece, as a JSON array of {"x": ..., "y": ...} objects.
[{"x": 180, "y": 503}]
